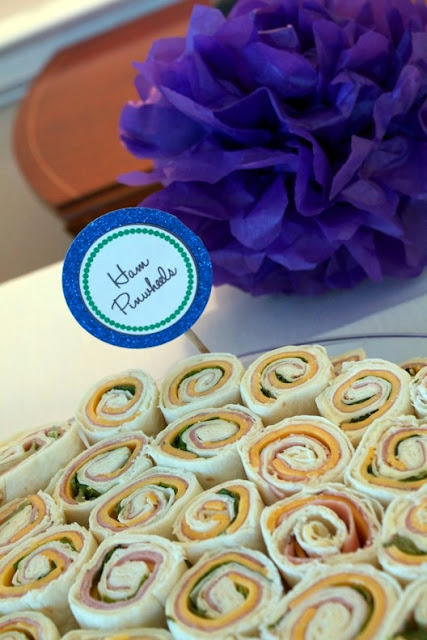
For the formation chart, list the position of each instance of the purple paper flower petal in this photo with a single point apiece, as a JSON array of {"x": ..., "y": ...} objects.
[
  {"x": 367, "y": 195},
  {"x": 263, "y": 222},
  {"x": 301, "y": 245},
  {"x": 355, "y": 97},
  {"x": 401, "y": 164},
  {"x": 204, "y": 21},
  {"x": 342, "y": 271},
  {"x": 234, "y": 258},
  {"x": 146, "y": 131},
  {"x": 290, "y": 75},
  {"x": 422, "y": 115},
  {"x": 370, "y": 56},
  {"x": 360, "y": 150},
  {"x": 281, "y": 37},
  {"x": 362, "y": 247},
  {"x": 166, "y": 51},
  {"x": 340, "y": 222},
  {"x": 330, "y": 41},
  {"x": 292, "y": 137},
  {"x": 398, "y": 101},
  {"x": 202, "y": 201}
]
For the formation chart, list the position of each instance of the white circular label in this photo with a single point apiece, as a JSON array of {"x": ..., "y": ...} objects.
[
  {"x": 137, "y": 277},
  {"x": 138, "y": 280}
]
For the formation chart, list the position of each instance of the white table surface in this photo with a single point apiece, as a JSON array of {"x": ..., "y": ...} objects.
[{"x": 48, "y": 361}]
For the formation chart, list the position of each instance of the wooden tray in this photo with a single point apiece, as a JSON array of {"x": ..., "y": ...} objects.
[{"x": 66, "y": 137}]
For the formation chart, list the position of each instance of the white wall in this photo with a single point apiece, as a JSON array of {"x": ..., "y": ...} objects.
[{"x": 31, "y": 236}]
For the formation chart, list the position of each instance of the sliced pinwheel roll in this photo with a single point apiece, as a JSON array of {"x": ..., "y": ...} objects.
[
  {"x": 347, "y": 602},
  {"x": 410, "y": 617},
  {"x": 27, "y": 517},
  {"x": 391, "y": 459},
  {"x": 239, "y": 636},
  {"x": 413, "y": 365},
  {"x": 27, "y": 625},
  {"x": 366, "y": 391},
  {"x": 126, "y": 582},
  {"x": 227, "y": 515},
  {"x": 297, "y": 452},
  {"x": 285, "y": 382},
  {"x": 96, "y": 470},
  {"x": 125, "y": 634},
  {"x": 127, "y": 401},
  {"x": 205, "y": 442},
  {"x": 207, "y": 380},
  {"x": 28, "y": 462},
  {"x": 228, "y": 591},
  {"x": 418, "y": 391},
  {"x": 149, "y": 503},
  {"x": 342, "y": 361},
  {"x": 404, "y": 537},
  {"x": 38, "y": 573},
  {"x": 329, "y": 524}
]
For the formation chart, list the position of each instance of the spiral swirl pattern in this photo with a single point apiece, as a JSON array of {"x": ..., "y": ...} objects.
[
  {"x": 148, "y": 504},
  {"x": 366, "y": 391},
  {"x": 329, "y": 524},
  {"x": 127, "y": 401},
  {"x": 28, "y": 463},
  {"x": 22, "y": 449},
  {"x": 404, "y": 537},
  {"x": 352, "y": 603},
  {"x": 297, "y": 452},
  {"x": 228, "y": 591},
  {"x": 24, "y": 518},
  {"x": 418, "y": 391},
  {"x": 208, "y": 380},
  {"x": 205, "y": 442},
  {"x": 27, "y": 625},
  {"x": 38, "y": 573},
  {"x": 126, "y": 582},
  {"x": 285, "y": 382},
  {"x": 96, "y": 470},
  {"x": 231, "y": 510},
  {"x": 391, "y": 459}
]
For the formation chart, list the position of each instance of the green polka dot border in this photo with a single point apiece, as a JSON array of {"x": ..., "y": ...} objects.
[{"x": 124, "y": 327}]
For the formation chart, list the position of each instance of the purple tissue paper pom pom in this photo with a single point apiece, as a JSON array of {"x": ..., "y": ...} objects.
[{"x": 291, "y": 136}]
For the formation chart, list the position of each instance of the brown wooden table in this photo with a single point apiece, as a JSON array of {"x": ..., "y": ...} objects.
[{"x": 66, "y": 138}]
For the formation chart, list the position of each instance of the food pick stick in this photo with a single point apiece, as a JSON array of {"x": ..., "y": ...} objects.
[{"x": 194, "y": 338}]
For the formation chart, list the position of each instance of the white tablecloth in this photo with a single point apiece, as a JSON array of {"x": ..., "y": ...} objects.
[{"x": 48, "y": 360}]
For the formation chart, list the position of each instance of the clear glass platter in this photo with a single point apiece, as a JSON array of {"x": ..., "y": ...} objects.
[{"x": 394, "y": 347}]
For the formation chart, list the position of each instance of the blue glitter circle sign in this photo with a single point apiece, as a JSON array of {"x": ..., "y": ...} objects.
[{"x": 137, "y": 277}]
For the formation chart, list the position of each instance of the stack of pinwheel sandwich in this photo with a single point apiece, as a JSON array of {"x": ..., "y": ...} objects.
[{"x": 284, "y": 501}]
